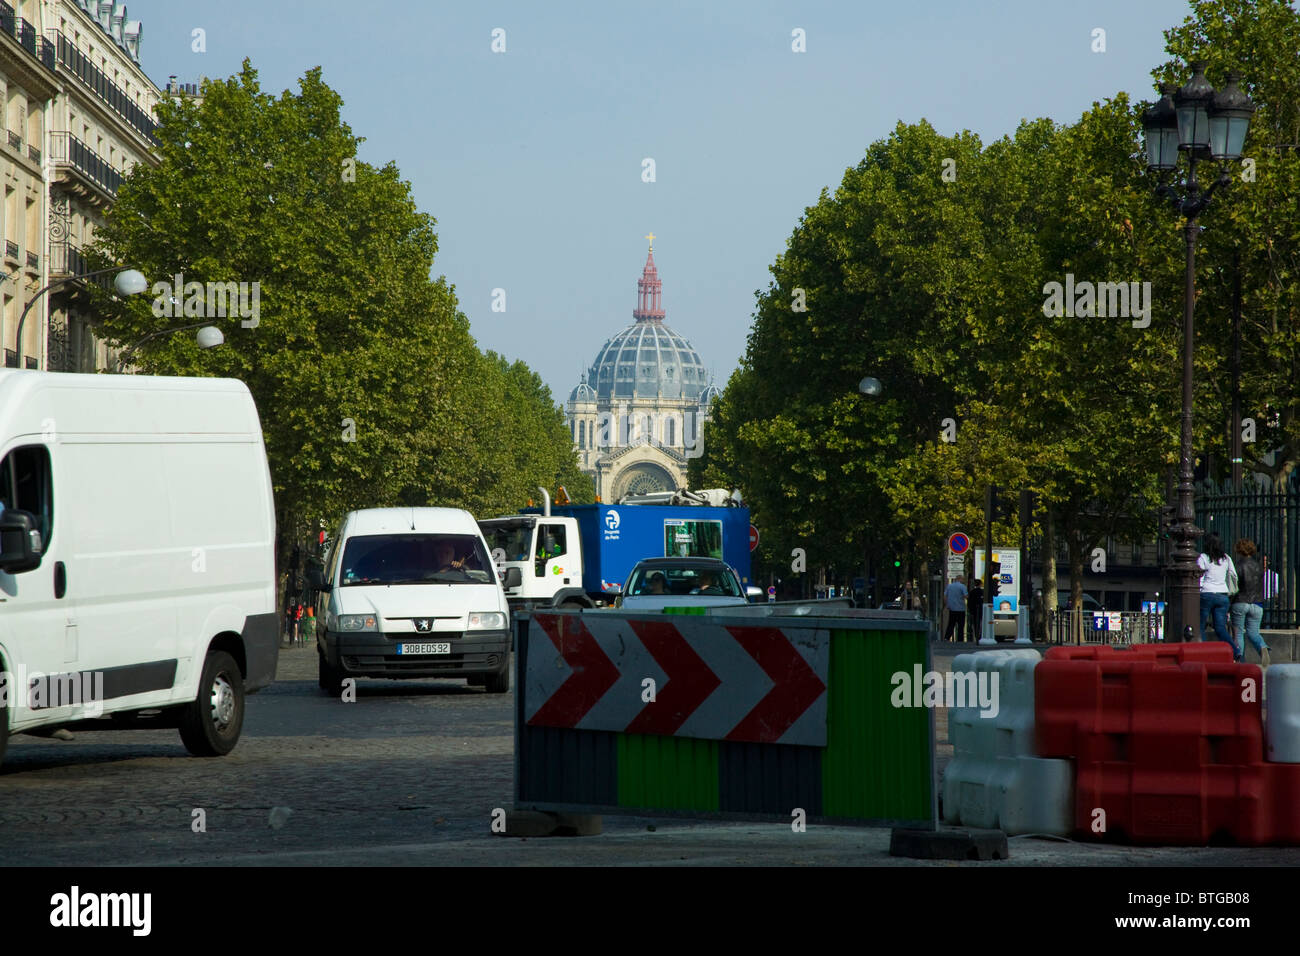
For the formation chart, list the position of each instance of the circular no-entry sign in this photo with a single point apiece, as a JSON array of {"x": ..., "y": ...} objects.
[
  {"x": 958, "y": 543},
  {"x": 753, "y": 537}
]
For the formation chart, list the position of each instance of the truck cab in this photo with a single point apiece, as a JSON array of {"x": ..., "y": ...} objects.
[{"x": 547, "y": 551}]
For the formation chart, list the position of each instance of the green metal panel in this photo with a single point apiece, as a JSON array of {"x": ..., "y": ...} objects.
[
  {"x": 686, "y": 610},
  {"x": 877, "y": 762},
  {"x": 667, "y": 773}
]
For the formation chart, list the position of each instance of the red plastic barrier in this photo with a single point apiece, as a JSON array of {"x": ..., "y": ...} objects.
[
  {"x": 1283, "y": 806},
  {"x": 1211, "y": 652},
  {"x": 1216, "y": 804},
  {"x": 1170, "y": 717},
  {"x": 1168, "y": 752}
]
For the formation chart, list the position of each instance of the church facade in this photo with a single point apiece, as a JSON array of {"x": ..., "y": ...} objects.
[{"x": 638, "y": 415}]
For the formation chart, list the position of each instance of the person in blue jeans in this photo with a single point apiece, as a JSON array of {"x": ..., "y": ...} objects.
[
  {"x": 1215, "y": 566},
  {"x": 1247, "y": 608}
]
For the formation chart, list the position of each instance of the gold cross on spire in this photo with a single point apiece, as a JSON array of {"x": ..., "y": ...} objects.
[{"x": 651, "y": 237}]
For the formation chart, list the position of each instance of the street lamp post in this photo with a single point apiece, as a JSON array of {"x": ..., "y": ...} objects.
[
  {"x": 128, "y": 282},
  {"x": 209, "y": 336},
  {"x": 1205, "y": 125}
]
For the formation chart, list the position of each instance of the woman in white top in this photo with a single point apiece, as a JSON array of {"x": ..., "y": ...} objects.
[{"x": 1215, "y": 568}]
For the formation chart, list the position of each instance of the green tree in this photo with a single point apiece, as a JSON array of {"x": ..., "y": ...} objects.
[{"x": 370, "y": 388}]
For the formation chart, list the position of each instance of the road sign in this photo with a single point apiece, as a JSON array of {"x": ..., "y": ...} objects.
[
  {"x": 1008, "y": 598},
  {"x": 753, "y": 537},
  {"x": 751, "y": 684},
  {"x": 958, "y": 543},
  {"x": 771, "y": 595}
]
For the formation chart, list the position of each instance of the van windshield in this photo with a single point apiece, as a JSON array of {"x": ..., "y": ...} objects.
[{"x": 415, "y": 559}]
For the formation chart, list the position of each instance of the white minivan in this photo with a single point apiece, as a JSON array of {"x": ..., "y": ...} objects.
[
  {"x": 411, "y": 593},
  {"x": 137, "y": 563}
]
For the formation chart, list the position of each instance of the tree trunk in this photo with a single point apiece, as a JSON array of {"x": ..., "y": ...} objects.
[
  {"x": 1049, "y": 561},
  {"x": 1076, "y": 584}
]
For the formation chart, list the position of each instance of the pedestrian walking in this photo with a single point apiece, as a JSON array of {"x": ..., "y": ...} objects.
[
  {"x": 290, "y": 622},
  {"x": 975, "y": 611},
  {"x": 954, "y": 596},
  {"x": 1247, "y": 608},
  {"x": 1218, "y": 581},
  {"x": 297, "y": 624}
]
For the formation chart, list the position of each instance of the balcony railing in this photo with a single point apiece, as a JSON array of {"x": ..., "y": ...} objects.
[
  {"x": 26, "y": 35},
  {"x": 112, "y": 95},
  {"x": 15, "y": 141},
  {"x": 66, "y": 148},
  {"x": 33, "y": 260},
  {"x": 34, "y": 153},
  {"x": 11, "y": 249},
  {"x": 66, "y": 259}
]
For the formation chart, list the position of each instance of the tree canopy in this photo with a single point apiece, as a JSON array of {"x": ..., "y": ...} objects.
[
  {"x": 371, "y": 390},
  {"x": 932, "y": 267}
]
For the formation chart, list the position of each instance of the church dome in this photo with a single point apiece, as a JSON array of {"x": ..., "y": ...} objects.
[
  {"x": 583, "y": 393},
  {"x": 648, "y": 360}
]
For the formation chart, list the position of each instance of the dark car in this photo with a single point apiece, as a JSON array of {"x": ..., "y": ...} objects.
[{"x": 656, "y": 583}]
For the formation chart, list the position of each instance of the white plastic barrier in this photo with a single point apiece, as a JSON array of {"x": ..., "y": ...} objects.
[
  {"x": 1282, "y": 713},
  {"x": 994, "y": 780}
]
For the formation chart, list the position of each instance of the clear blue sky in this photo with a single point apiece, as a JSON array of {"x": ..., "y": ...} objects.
[{"x": 531, "y": 160}]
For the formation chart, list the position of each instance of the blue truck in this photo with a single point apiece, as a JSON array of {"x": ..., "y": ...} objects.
[{"x": 580, "y": 555}]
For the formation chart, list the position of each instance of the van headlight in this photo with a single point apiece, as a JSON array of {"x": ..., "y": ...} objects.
[
  {"x": 486, "y": 621},
  {"x": 357, "y": 622}
]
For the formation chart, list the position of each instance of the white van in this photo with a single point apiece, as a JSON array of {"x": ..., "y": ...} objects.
[
  {"x": 411, "y": 592},
  {"x": 137, "y": 567}
]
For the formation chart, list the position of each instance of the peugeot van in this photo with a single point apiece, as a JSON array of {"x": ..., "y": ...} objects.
[
  {"x": 411, "y": 593},
  {"x": 137, "y": 562}
]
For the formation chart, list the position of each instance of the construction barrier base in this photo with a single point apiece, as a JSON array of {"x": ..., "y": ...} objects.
[{"x": 948, "y": 844}]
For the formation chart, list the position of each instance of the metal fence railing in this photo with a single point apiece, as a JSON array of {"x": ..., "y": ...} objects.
[
  {"x": 1269, "y": 516},
  {"x": 1104, "y": 627}
]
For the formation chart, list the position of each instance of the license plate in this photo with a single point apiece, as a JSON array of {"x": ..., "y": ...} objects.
[{"x": 442, "y": 647}]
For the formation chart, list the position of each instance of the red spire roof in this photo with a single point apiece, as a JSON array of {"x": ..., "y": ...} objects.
[{"x": 649, "y": 291}]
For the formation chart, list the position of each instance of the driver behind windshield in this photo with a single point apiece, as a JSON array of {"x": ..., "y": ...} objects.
[
  {"x": 706, "y": 584},
  {"x": 444, "y": 557}
]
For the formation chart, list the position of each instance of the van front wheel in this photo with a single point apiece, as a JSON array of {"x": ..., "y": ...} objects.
[
  {"x": 329, "y": 678},
  {"x": 211, "y": 725},
  {"x": 499, "y": 682}
]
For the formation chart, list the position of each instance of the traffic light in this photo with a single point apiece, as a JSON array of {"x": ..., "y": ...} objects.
[
  {"x": 1028, "y": 505},
  {"x": 995, "y": 580}
]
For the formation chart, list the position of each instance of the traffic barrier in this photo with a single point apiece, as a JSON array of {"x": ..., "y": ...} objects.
[
  {"x": 1214, "y": 652},
  {"x": 1177, "y": 717},
  {"x": 1282, "y": 713},
  {"x": 995, "y": 779},
  {"x": 716, "y": 715},
  {"x": 1168, "y": 747},
  {"x": 1126, "y": 802}
]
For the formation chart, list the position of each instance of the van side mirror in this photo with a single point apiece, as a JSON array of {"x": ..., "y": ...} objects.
[
  {"x": 21, "y": 547},
  {"x": 514, "y": 577},
  {"x": 316, "y": 580}
]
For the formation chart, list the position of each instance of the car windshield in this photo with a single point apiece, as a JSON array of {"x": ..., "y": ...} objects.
[
  {"x": 512, "y": 539},
  {"x": 415, "y": 559},
  {"x": 667, "y": 579}
]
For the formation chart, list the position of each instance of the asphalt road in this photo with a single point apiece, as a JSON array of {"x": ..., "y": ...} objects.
[{"x": 408, "y": 775}]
